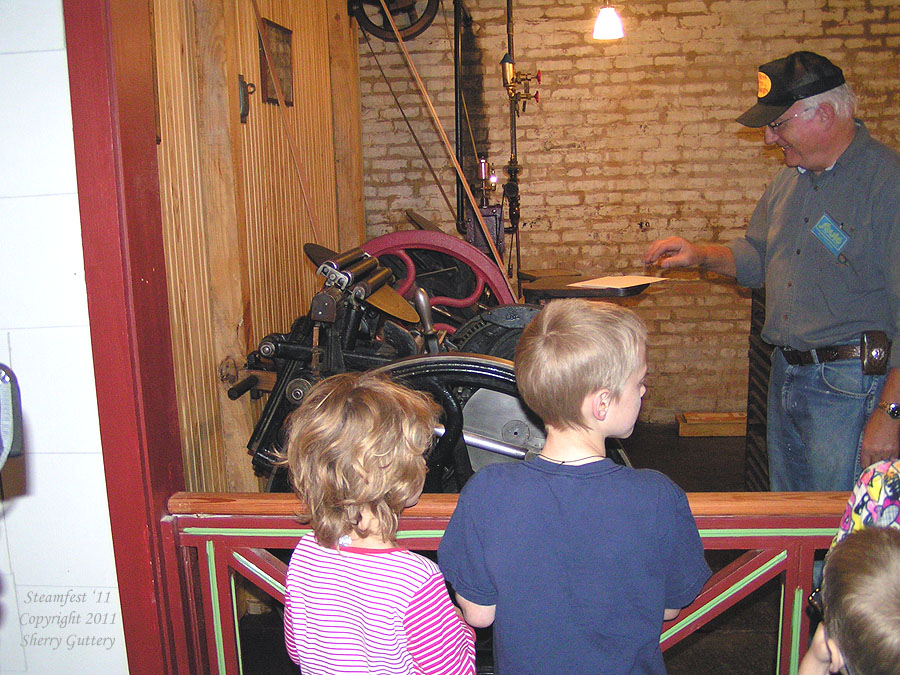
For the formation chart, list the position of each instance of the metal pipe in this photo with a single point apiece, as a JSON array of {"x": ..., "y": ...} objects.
[
  {"x": 513, "y": 104},
  {"x": 511, "y": 188},
  {"x": 509, "y": 30},
  {"x": 485, "y": 443},
  {"x": 458, "y": 113}
]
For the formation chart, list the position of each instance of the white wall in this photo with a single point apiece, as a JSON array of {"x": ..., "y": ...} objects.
[{"x": 59, "y": 604}]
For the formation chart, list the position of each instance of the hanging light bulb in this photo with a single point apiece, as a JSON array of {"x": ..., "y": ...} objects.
[{"x": 608, "y": 25}]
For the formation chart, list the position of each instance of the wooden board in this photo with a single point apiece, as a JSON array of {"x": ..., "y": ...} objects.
[{"x": 712, "y": 424}]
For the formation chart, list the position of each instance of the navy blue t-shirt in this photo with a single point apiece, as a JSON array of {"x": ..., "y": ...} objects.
[{"x": 580, "y": 561}]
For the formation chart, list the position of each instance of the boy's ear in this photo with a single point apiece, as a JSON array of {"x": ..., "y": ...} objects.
[
  {"x": 600, "y": 404},
  {"x": 837, "y": 658}
]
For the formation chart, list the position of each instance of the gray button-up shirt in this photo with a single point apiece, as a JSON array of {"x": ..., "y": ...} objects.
[{"x": 827, "y": 248}]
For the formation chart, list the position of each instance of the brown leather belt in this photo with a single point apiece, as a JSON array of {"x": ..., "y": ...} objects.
[{"x": 820, "y": 355}]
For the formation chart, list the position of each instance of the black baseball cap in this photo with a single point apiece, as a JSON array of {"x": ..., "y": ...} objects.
[{"x": 784, "y": 81}]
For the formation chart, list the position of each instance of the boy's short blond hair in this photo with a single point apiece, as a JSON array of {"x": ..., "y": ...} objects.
[
  {"x": 861, "y": 590},
  {"x": 358, "y": 441},
  {"x": 572, "y": 348}
]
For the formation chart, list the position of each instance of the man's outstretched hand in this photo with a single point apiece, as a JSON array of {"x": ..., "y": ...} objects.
[{"x": 673, "y": 252}]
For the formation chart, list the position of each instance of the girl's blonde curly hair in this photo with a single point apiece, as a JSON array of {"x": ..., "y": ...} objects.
[{"x": 357, "y": 442}]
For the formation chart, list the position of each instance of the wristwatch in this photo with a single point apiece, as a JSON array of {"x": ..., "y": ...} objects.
[{"x": 892, "y": 409}]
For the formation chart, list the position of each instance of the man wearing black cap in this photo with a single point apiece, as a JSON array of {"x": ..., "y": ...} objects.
[{"x": 824, "y": 239}]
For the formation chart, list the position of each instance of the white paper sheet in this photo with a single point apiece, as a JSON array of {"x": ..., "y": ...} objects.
[{"x": 617, "y": 282}]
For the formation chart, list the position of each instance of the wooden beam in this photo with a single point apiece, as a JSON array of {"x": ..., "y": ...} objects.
[
  {"x": 343, "y": 43},
  {"x": 442, "y": 505},
  {"x": 223, "y": 230}
]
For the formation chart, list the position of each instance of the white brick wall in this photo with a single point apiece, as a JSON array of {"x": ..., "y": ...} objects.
[{"x": 635, "y": 131}]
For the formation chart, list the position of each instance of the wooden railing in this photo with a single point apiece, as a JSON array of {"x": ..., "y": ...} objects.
[{"x": 215, "y": 538}]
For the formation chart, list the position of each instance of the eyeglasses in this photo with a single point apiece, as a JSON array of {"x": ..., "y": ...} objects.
[
  {"x": 774, "y": 126},
  {"x": 817, "y": 603}
]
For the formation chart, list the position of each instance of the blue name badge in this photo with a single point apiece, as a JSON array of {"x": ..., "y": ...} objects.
[{"x": 828, "y": 232}]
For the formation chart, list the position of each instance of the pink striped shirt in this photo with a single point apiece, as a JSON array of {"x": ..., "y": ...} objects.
[{"x": 372, "y": 611}]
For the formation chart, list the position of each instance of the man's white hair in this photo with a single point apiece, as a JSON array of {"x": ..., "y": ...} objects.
[{"x": 841, "y": 98}]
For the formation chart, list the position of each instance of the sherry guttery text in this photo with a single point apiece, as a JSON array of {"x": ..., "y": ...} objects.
[{"x": 70, "y": 619}]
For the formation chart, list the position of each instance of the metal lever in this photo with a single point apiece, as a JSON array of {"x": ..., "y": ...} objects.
[{"x": 423, "y": 307}]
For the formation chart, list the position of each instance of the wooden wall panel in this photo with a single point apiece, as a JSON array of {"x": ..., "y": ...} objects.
[
  {"x": 185, "y": 246},
  {"x": 277, "y": 220},
  {"x": 234, "y": 217}
]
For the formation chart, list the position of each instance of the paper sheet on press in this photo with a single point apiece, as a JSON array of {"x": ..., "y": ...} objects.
[{"x": 617, "y": 282}]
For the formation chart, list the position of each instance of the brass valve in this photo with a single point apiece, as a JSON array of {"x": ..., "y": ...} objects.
[{"x": 513, "y": 80}]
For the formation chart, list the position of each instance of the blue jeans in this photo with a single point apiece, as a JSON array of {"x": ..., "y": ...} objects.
[{"x": 816, "y": 415}]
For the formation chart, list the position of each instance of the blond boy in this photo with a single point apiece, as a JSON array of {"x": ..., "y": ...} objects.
[{"x": 574, "y": 559}]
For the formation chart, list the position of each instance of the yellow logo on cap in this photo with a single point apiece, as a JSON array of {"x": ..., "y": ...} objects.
[{"x": 765, "y": 84}]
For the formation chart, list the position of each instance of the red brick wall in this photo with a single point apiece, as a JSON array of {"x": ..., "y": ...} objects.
[{"x": 632, "y": 140}]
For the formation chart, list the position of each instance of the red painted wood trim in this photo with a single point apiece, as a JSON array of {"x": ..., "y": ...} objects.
[
  {"x": 111, "y": 84},
  {"x": 778, "y": 542}
]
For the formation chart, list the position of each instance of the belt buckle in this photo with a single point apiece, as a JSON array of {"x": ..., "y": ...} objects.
[{"x": 874, "y": 350}]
